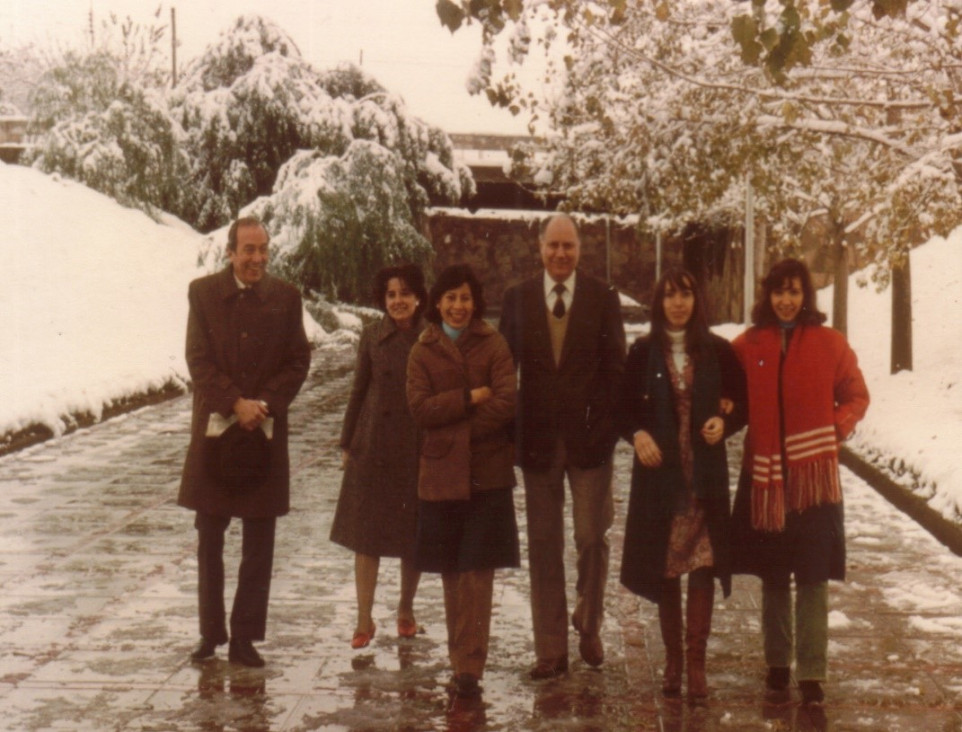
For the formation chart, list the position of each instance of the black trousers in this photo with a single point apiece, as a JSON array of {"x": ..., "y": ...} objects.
[{"x": 248, "y": 617}]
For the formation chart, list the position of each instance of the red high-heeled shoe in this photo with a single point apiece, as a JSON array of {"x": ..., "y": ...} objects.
[
  {"x": 362, "y": 639},
  {"x": 406, "y": 628}
]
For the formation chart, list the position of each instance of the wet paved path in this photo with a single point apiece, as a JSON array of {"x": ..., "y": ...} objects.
[{"x": 97, "y": 613}]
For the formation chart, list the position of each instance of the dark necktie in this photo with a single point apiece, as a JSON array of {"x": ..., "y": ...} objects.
[{"x": 559, "y": 304}]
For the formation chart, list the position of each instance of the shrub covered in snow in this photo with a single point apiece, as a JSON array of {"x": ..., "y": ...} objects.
[{"x": 334, "y": 164}]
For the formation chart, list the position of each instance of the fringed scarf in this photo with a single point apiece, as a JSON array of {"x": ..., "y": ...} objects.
[{"x": 804, "y": 387}]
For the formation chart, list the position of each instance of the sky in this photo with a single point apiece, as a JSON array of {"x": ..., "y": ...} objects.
[
  {"x": 400, "y": 42},
  {"x": 77, "y": 292}
]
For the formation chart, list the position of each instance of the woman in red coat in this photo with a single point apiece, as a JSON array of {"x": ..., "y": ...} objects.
[{"x": 805, "y": 395}]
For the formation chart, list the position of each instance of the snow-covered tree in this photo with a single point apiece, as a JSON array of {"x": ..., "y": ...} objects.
[
  {"x": 335, "y": 162},
  {"x": 659, "y": 113},
  {"x": 246, "y": 105},
  {"x": 100, "y": 115},
  {"x": 261, "y": 123},
  {"x": 337, "y": 220},
  {"x": 20, "y": 68},
  {"x": 130, "y": 151}
]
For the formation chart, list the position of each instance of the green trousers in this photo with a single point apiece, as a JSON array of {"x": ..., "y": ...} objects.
[{"x": 809, "y": 629}]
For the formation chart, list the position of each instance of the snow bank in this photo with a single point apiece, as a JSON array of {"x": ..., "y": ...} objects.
[
  {"x": 94, "y": 304},
  {"x": 913, "y": 429}
]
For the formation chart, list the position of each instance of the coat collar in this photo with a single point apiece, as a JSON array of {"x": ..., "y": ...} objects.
[
  {"x": 387, "y": 327},
  {"x": 477, "y": 328},
  {"x": 227, "y": 285}
]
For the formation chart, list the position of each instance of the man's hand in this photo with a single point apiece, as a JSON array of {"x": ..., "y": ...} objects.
[
  {"x": 250, "y": 413},
  {"x": 647, "y": 450}
]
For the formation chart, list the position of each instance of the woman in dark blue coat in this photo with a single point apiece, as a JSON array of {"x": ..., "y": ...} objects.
[{"x": 684, "y": 393}]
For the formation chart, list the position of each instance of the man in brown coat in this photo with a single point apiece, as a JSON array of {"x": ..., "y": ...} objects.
[
  {"x": 566, "y": 334},
  {"x": 248, "y": 356}
]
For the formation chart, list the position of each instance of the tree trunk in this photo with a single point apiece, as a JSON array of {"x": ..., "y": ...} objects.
[
  {"x": 840, "y": 300},
  {"x": 902, "y": 316}
]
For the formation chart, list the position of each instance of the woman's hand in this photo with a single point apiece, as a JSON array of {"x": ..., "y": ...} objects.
[
  {"x": 647, "y": 450},
  {"x": 713, "y": 430},
  {"x": 480, "y": 395},
  {"x": 344, "y": 456}
]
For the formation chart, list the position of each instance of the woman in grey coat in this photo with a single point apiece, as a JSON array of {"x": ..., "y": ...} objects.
[{"x": 377, "y": 509}]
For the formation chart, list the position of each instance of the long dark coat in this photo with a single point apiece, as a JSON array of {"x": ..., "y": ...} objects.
[
  {"x": 576, "y": 397},
  {"x": 377, "y": 508},
  {"x": 647, "y": 403},
  {"x": 242, "y": 343}
]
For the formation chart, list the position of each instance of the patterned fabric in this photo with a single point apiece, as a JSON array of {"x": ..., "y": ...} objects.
[{"x": 689, "y": 547}]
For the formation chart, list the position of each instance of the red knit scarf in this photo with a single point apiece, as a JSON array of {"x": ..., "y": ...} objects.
[{"x": 811, "y": 448}]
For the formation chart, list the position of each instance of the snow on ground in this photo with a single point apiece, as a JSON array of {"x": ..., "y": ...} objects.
[
  {"x": 914, "y": 424},
  {"x": 913, "y": 428},
  {"x": 95, "y": 310},
  {"x": 94, "y": 304}
]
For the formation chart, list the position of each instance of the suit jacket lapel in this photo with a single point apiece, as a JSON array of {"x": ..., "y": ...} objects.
[{"x": 536, "y": 317}]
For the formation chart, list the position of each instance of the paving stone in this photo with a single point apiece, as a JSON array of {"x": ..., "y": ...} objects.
[{"x": 98, "y": 612}]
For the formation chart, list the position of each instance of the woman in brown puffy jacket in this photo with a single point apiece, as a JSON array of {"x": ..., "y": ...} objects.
[{"x": 461, "y": 390}]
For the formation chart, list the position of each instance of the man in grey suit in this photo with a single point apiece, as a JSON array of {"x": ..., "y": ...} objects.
[{"x": 565, "y": 331}]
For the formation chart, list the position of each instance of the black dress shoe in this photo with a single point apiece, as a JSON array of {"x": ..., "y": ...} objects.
[
  {"x": 549, "y": 669},
  {"x": 244, "y": 653},
  {"x": 777, "y": 678},
  {"x": 591, "y": 650},
  {"x": 467, "y": 686},
  {"x": 205, "y": 650},
  {"x": 811, "y": 692}
]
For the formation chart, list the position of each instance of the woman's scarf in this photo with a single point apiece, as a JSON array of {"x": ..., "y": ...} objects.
[{"x": 796, "y": 394}]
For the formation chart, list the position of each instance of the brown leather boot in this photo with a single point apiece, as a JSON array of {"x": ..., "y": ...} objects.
[
  {"x": 669, "y": 617},
  {"x": 698, "y": 621}
]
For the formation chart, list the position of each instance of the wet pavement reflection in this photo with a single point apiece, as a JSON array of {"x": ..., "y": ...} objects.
[{"x": 98, "y": 613}]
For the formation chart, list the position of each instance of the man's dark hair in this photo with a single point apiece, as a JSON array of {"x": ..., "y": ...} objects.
[
  {"x": 451, "y": 279},
  {"x": 411, "y": 275},
  {"x": 781, "y": 275},
  {"x": 240, "y": 223}
]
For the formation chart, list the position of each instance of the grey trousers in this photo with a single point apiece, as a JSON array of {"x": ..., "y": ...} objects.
[
  {"x": 593, "y": 513},
  {"x": 808, "y": 629}
]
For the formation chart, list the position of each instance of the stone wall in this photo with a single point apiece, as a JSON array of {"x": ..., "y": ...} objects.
[{"x": 502, "y": 248}]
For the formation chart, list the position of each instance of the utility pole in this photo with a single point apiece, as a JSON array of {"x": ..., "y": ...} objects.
[
  {"x": 749, "y": 297},
  {"x": 608, "y": 248},
  {"x": 658, "y": 255},
  {"x": 173, "y": 47}
]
